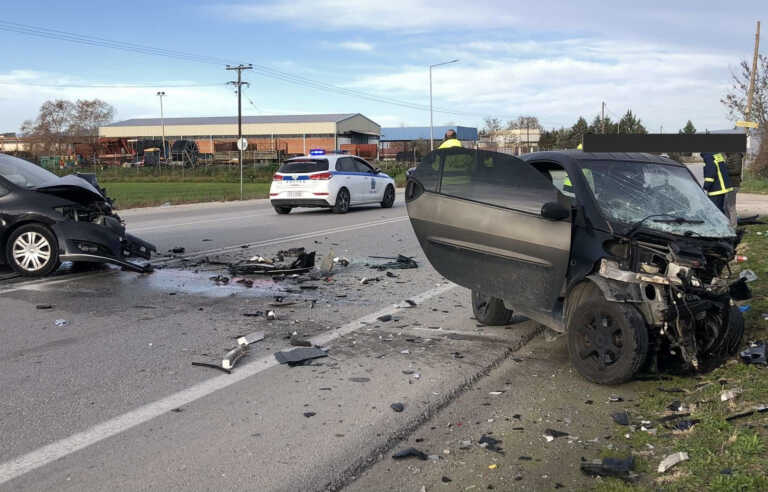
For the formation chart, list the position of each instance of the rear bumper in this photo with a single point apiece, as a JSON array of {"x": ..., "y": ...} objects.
[{"x": 300, "y": 202}]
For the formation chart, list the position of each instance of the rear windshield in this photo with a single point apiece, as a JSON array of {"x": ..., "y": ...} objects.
[{"x": 304, "y": 166}]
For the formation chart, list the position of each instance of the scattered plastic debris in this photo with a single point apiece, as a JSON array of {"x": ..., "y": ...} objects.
[
  {"x": 748, "y": 275},
  {"x": 610, "y": 467},
  {"x": 61, "y": 322},
  {"x": 410, "y": 453},
  {"x": 231, "y": 357},
  {"x": 490, "y": 444},
  {"x": 685, "y": 425},
  {"x": 745, "y": 308},
  {"x": 250, "y": 338},
  {"x": 615, "y": 399},
  {"x": 672, "y": 460},
  {"x": 359, "y": 380},
  {"x": 177, "y": 250},
  {"x": 493, "y": 466},
  {"x": 271, "y": 315},
  {"x": 729, "y": 394},
  {"x": 446, "y": 479},
  {"x": 554, "y": 434},
  {"x": 299, "y": 356},
  {"x": 341, "y": 261},
  {"x": 298, "y": 341},
  {"x": 44, "y": 306},
  {"x": 309, "y": 414},
  {"x": 754, "y": 353},
  {"x": 385, "y": 317},
  {"x": 401, "y": 262},
  {"x": 621, "y": 418},
  {"x": 397, "y": 407}
]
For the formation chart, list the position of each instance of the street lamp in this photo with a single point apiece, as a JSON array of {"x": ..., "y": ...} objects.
[
  {"x": 431, "y": 135},
  {"x": 161, "y": 94}
]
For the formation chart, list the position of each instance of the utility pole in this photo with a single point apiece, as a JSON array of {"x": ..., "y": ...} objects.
[
  {"x": 602, "y": 118},
  {"x": 431, "y": 132},
  {"x": 161, "y": 95},
  {"x": 752, "y": 75},
  {"x": 239, "y": 84}
]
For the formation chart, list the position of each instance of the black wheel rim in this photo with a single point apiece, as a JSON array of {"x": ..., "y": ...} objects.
[
  {"x": 390, "y": 196},
  {"x": 600, "y": 340},
  {"x": 343, "y": 200}
]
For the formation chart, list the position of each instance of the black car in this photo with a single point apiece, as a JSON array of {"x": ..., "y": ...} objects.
[
  {"x": 624, "y": 252},
  {"x": 46, "y": 219}
]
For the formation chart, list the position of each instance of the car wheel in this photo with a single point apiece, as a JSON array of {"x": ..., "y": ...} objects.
[
  {"x": 489, "y": 310},
  {"x": 342, "y": 202},
  {"x": 389, "y": 197},
  {"x": 32, "y": 251},
  {"x": 282, "y": 210},
  {"x": 607, "y": 341}
]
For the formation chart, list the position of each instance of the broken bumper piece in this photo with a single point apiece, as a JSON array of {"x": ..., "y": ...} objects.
[{"x": 95, "y": 243}]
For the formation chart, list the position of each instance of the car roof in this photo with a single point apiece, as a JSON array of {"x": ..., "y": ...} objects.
[
  {"x": 330, "y": 156},
  {"x": 579, "y": 155}
]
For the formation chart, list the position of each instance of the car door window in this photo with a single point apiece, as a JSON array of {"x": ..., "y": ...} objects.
[
  {"x": 345, "y": 164},
  {"x": 3, "y": 190},
  {"x": 362, "y": 167},
  {"x": 496, "y": 179}
]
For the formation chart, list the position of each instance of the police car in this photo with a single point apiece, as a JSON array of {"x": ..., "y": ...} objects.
[{"x": 331, "y": 180}]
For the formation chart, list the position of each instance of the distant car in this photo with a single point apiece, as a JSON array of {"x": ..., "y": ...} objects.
[
  {"x": 624, "y": 252},
  {"x": 46, "y": 219},
  {"x": 329, "y": 180}
]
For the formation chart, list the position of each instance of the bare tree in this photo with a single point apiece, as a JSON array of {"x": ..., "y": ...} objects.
[
  {"x": 492, "y": 126},
  {"x": 736, "y": 99},
  {"x": 51, "y": 125},
  {"x": 88, "y": 116},
  {"x": 525, "y": 122}
]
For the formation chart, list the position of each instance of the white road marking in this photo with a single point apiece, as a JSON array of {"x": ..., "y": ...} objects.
[
  {"x": 21, "y": 465},
  {"x": 33, "y": 284}
]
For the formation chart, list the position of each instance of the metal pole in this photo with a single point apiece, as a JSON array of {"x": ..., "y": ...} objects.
[
  {"x": 431, "y": 135},
  {"x": 602, "y": 118},
  {"x": 161, "y": 94},
  {"x": 431, "y": 130},
  {"x": 239, "y": 85}
]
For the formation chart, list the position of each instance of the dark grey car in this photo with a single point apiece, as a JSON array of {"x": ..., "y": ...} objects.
[{"x": 625, "y": 252}]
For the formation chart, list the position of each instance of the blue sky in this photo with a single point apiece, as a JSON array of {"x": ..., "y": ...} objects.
[{"x": 667, "y": 61}]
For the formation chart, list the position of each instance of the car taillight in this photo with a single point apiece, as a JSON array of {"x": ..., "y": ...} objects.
[
  {"x": 321, "y": 176},
  {"x": 277, "y": 177}
]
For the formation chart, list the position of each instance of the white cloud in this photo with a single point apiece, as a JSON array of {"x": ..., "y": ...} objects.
[
  {"x": 356, "y": 46},
  {"x": 570, "y": 78}
]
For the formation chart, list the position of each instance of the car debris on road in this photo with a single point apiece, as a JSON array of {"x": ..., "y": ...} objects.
[
  {"x": 671, "y": 460},
  {"x": 755, "y": 353},
  {"x": 611, "y": 467},
  {"x": 300, "y": 355}
]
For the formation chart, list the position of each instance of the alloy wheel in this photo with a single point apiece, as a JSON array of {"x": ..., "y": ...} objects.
[{"x": 31, "y": 251}]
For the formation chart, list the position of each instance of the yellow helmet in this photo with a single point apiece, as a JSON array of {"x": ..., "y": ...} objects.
[{"x": 580, "y": 147}]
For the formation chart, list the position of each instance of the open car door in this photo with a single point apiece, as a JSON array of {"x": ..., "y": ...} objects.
[{"x": 478, "y": 217}]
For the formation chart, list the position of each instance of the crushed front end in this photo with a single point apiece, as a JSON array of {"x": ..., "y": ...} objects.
[{"x": 684, "y": 289}]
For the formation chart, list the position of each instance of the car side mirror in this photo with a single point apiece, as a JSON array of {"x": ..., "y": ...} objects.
[
  {"x": 554, "y": 211},
  {"x": 377, "y": 170}
]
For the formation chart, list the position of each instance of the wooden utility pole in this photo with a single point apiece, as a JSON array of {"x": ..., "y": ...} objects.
[
  {"x": 752, "y": 74},
  {"x": 239, "y": 84}
]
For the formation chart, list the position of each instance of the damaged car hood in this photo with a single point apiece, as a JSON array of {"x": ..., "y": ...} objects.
[{"x": 72, "y": 188}]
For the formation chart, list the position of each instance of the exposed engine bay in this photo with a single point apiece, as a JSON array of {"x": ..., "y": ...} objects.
[{"x": 683, "y": 287}]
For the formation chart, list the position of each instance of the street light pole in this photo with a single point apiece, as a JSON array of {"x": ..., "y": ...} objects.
[
  {"x": 431, "y": 130},
  {"x": 239, "y": 84},
  {"x": 161, "y": 95}
]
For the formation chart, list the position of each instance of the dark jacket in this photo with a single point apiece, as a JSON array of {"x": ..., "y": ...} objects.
[
  {"x": 734, "y": 161},
  {"x": 716, "y": 180}
]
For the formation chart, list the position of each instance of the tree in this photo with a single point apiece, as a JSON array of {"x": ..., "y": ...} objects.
[
  {"x": 577, "y": 133},
  {"x": 688, "y": 129},
  {"x": 51, "y": 125},
  {"x": 736, "y": 99},
  {"x": 492, "y": 126},
  {"x": 629, "y": 123},
  {"x": 525, "y": 122},
  {"x": 88, "y": 116}
]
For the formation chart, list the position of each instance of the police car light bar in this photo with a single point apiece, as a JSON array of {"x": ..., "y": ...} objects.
[{"x": 317, "y": 152}]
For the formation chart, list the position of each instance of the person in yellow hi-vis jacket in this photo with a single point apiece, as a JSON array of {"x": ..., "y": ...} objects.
[
  {"x": 450, "y": 140},
  {"x": 716, "y": 181}
]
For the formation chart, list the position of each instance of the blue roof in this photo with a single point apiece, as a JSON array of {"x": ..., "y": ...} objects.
[{"x": 407, "y": 133}]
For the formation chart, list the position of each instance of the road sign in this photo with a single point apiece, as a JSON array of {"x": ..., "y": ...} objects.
[
  {"x": 242, "y": 144},
  {"x": 747, "y": 124}
]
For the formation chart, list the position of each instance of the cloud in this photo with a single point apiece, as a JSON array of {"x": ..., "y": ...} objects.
[
  {"x": 356, "y": 46},
  {"x": 560, "y": 80}
]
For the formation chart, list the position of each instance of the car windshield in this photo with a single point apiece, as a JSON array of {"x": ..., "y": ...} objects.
[
  {"x": 304, "y": 166},
  {"x": 628, "y": 192}
]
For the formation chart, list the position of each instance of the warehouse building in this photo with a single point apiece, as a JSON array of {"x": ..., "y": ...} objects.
[
  {"x": 285, "y": 134},
  {"x": 409, "y": 143}
]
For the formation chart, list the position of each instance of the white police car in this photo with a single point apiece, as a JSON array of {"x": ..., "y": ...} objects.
[{"x": 331, "y": 180}]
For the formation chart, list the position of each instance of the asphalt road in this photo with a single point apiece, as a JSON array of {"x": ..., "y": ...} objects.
[{"x": 110, "y": 400}]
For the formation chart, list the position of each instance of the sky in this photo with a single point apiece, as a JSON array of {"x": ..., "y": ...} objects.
[{"x": 667, "y": 61}]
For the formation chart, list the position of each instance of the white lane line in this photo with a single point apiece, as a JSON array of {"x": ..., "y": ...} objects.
[
  {"x": 47, "y": 454},
  {"x": 270, "y": 242},
  {"x": 197, "y": 222}
]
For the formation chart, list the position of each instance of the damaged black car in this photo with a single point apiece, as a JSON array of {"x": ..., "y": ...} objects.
[
  {"x": 624, "y": 252},
  {"x": 46, "y": 219}
]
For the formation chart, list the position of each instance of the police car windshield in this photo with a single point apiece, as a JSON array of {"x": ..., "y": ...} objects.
[
  {"x": 627, "y": 192},
  {"x": 304, "y": 166}
]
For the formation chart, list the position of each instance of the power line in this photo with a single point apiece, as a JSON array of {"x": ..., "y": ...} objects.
[
  {"x": 108, "y": 86},
  {"x": 192, "y": 57}
]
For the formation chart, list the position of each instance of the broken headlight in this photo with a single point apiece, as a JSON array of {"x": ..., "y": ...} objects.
[{"x": 78, "y": 214}]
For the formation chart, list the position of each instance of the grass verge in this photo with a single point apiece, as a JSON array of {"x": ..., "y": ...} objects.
[
  {"x": 143, "y": 194},
  {"x": 724, "y": 455},
  {"x": 754, "y": 185}
]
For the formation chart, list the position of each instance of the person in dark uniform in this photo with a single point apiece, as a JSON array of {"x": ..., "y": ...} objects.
[
  {"x": 734, "y": 162},
  {"x": 716, "y": 179}
]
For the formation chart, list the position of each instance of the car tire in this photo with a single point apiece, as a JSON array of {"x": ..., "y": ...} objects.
[
  {"x": 389, "y": 197},
  {"x": 342, "y": 202},
  {"x": 735, "y": 331},
  {"x": 282, "y": 210},
  {"x": 32, "y": 251},
  {"x": 490, "y": 310},
  {"x": 607, "y": 341}
]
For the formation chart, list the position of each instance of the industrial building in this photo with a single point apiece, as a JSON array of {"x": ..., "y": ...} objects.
[
  {"x": 283, "y": 134},
  {"x": 405, "y": 143}
]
